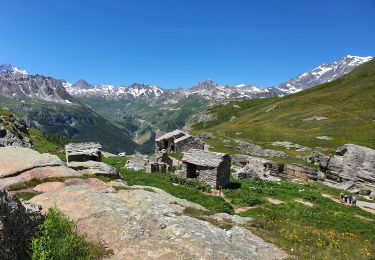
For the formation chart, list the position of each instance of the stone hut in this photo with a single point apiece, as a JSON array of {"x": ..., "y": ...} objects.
[
  {"x": 210, "y": 167},
  {"x": 82, "y": 152},
  {"x": 178, "y": 141}
]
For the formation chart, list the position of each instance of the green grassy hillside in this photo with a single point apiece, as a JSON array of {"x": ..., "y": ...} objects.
[{"x": 348, "y": 103}]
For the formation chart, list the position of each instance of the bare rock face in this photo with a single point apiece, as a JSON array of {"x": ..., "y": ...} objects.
[
  {"x": 141, "y": 224},
  {"x": 82, "y": 152},
  {"x": 17, "y": 225},
  {"x": 353, "y": 163},
  {"x": 303, "y": 173},
  {"x": 13, "y": 131},
  {"x": 23, "y": 164}
]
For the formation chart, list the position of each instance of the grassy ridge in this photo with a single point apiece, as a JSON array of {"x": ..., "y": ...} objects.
[{"x": 348, "y": 103}]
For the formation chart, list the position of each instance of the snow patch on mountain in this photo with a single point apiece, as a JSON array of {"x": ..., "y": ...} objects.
[{"x": 10, "y": 69}]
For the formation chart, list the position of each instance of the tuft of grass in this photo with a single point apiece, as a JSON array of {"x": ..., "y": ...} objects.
[
  {"x": 176, "y": 155},
  {"x": 26, "y": 195},
  {"x": 56, "y": 239}
]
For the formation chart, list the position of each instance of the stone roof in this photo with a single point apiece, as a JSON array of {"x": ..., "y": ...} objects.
[
  {"x": 170, "y": 134},
  {"x": 77, "y": 148},
  {"x": 182, "y": 138},
  {"x": 203, "y": 158}
]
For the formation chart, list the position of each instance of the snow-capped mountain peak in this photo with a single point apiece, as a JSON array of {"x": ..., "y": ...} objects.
[
  {"x": 323, "y": 73},
  {"x": 10, "y": 69}
]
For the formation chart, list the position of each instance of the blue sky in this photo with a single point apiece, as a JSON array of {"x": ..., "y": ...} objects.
[{"x": 176, "y": 43}]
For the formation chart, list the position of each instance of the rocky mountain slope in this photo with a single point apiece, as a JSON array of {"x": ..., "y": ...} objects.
[
  {"x": 321, "y": 118},
  {"x": 45, "y": 104},
  {"x": 323, "y": 73}
]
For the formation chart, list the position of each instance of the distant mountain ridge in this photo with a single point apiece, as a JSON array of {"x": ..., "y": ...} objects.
[
  {"x": 211, "y": 90},
  {"x": 323, "y": 74}
]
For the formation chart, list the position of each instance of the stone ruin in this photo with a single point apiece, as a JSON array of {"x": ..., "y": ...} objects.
[
  {"x": 86, "y": 159},
  {"x": 159, "y": 162},
  {"x": 178, "y": 141},
  {"x": 82, "y": 152},
  {"x": 209, "y": 167}
]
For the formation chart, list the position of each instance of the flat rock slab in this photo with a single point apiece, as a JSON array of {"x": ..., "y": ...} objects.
[
  {"x": 37, "y": 173},
  {"x": 48, "y": 186},
  {"x": 92, "y": 183},
  {"x": 15, "y": 160},
  {"x": 138, "y": 224},
  {"x": 94, "y": 168}
]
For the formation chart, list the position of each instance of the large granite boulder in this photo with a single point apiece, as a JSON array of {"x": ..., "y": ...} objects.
[
  {"x": 20, "y": 164},
  {"x": 82, "y": 152},
  {"x": 18, "y": 224},
  {"x": 94, "y": 168},
  {"x": 353, "y": 163},
  {"x": 150, "y": 224}
]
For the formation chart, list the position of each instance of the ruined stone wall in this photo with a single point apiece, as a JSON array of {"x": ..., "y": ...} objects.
[
  {"x": 208, "y": 176},
  {"x": 223, "y": 172},
  {"x": 188, "y": 144}
]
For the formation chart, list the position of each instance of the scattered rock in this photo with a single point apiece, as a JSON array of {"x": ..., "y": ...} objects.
[
  {"x": 238, "y": 220},
  {"x": 317, "y": 118},
  {"x": 94, "y": 168},
  {"x": 17, "y": 225},
  {"x": 137, "y": 224},
  {"x": 256, "y": 150},
  {"x": 324, "y": 137},
  {"x": 82, "y": 152},
  {"x": 289, "y": 145}
]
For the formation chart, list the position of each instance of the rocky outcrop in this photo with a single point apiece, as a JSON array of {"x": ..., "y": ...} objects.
[
  {"x": 255, "y": 168},
  {"x": 23, "y": 164},
  {"x": 82, "y": 152},
  {"x": 141, "y": 224},
  {"x": 13, "y": 131},
  {"x": 17, "y": 225},
  {"x": 353, "y": 163},
  {"x": 303, "y": 173},
  {"x": 94, "y": 168}
]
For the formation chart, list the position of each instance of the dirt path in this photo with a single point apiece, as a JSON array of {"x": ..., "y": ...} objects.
[
  {"x": 367, "y": 206},
  {"x": 304, "y": 202}
]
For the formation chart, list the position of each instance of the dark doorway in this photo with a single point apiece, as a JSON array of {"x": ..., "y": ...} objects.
[
  {"x": 165, "y": 144},
  {"x": 191, "y": 171}
]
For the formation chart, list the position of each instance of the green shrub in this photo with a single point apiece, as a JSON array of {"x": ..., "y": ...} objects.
[
  {"x": 190, "y": 183},
  {"x": 57, "y": 240},
  {"x": 176, "y": 155}
]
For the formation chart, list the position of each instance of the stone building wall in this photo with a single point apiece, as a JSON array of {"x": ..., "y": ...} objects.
[{"x": 189, "y": 143}]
